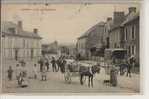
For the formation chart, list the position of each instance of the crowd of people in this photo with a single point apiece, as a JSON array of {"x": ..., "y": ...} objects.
[
  {"x": 42, "y": 66},
  {"x": 39, "y": 69}
]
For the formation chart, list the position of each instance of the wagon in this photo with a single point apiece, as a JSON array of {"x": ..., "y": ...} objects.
[
  {"x": 114, "y": 57},
  {"x": 72, "y": 69}
]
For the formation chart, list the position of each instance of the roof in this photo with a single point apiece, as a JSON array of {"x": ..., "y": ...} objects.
[
  {"x": 5, "y": 25},
  {"x": 91, "y": 29},
  {"x": 130, "y": 17}
]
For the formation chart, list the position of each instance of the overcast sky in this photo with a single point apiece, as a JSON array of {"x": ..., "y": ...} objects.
[{"x": 61, "y": 22}]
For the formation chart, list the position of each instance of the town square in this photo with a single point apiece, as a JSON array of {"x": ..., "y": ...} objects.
[{"x": 71, "y": 48}]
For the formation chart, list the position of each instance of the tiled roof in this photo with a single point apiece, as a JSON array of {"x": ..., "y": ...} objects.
[
  {"x": 91, "y": 29},
  {"x": 5, "y": 25}
]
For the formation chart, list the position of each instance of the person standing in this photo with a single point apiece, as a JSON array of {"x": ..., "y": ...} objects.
[
  {"x": 17, "y": 72},
  {"x": 58, "y": 63},
  {"x": 129, "y": 67},
  {"x": 113, "y": 76},
  {"x": 35, "y": 71},
  {"x": 44, "y": 74},
  {"x": 47, "y": 64},
  {"x": 53, "y": 62},
  {"x": 23, "y": 80},
  {"x": 62, "y": 66},
  {"x": 41, "y": 63},
  {"x": 10, "y": 73}
]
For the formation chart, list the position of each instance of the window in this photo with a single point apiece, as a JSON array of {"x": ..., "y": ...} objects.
[
  {"x": 133, "y": 32},
  {"x": 133, "y": 50}
]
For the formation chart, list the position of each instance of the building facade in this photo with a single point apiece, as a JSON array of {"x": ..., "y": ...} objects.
[
  {"x": 131, "y": 33},
  {"x": 18, "y": 44},
  {"x": 125, "y": 33},
  {"x": 91, "y": 41},
  {"x": 81, "y": 45},
  {"x": 106, "y": 34},
  {"x": 116, "y": 30}
]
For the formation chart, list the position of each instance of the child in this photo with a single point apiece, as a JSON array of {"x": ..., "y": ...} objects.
[
  {"x": 10, "y": 73},
  {"x": 35, "y": 71},
  {"x": 17, "y": 71},
  {"x": 43, "y": 74}
]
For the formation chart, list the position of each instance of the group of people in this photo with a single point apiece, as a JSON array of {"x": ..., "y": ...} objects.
[
  {"x": 20, "y": 72},
  {"x": 57, "y": 64},
  {"x": 125, "y": 66},
  {"x": 40, "y": 68}
]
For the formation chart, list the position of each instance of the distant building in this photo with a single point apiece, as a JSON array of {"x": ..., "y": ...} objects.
[
  {"x": 131, "y": 33},
  {"x": 18, "y": 44},
  {"x": 91, "y": 41},
  {"x": 50, "y": 48},
  {"x": 64, "y": 50},
  {"x": 81, "y": 45}
]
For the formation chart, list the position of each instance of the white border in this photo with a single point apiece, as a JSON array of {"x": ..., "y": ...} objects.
[{"x": 144, "y": 62}]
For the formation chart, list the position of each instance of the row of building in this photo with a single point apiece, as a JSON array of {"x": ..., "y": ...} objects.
[
  {"x": 58, "y": 49},
  {"x": 121, "y": 31},
  {"x": 18, "y": 44}
]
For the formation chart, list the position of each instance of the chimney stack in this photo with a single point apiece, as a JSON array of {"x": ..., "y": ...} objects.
[
  {"x": 118, "y": 17},
  {"x": 35, "y": 30},
  {"x": 132, "y": 9}
]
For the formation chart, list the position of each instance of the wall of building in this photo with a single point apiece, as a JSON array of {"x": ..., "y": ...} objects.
[
  {"x": 131, "y": 43},
  {"x": 115, "y": 38},
  {"x": 21, "y": 46},
  {"x": 81, "y": 46}
]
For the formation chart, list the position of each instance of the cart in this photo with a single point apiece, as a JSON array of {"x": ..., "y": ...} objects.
[{"x": 72, "y": 69}]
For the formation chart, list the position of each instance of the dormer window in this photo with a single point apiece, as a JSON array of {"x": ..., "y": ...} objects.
[{"x": 12, "y": 30}]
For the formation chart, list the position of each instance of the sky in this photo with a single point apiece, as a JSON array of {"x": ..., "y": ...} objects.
[{"x": 61, "y": 22}]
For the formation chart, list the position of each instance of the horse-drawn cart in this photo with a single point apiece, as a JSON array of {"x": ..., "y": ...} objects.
[
  {"x": 79, "y": 69},
  {"x": 71, "y": 70}
]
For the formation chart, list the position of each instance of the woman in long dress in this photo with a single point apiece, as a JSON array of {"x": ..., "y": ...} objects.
[
  {"x": 113, "y": 76},
  {"x": 23, "y": 79}
]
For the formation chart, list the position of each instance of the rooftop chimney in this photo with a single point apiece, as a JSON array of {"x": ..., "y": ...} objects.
[
  {"x": 132, "y": 9},
  {"x": 35, "y": 30},
  {"x": 118, "y": 17}
]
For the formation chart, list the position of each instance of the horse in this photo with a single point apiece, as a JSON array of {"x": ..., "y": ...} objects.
[{"x": 88, "y": 71}]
